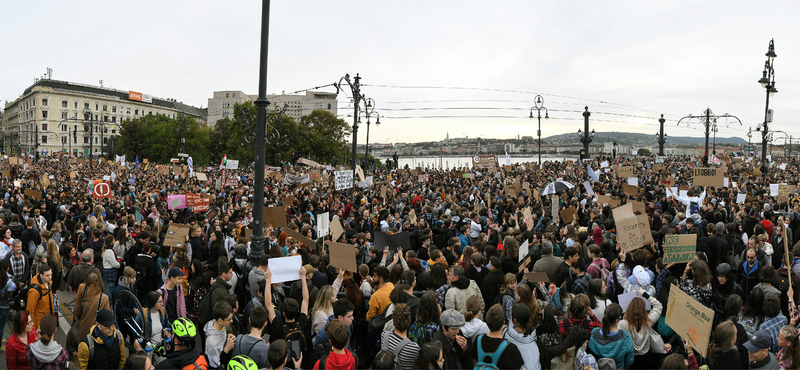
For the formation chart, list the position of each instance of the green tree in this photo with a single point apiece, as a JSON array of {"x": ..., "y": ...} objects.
[
  {"x": 326, "y": 135},
  {"x": 158, "y": 138}
]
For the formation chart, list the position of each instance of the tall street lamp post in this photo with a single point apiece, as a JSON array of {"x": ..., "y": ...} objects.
[
  {"x": 585, "y": 138},
  {"x": 714, "y": 147},
  {"x": 709, "y": 119},
  {"x": 767, "y": 81},
  {"x": 358, "y": 99},
  {"x": 538, "y": 104},
  {"x": 662, "y": 137},
  {"x": 377, "y": 123}
]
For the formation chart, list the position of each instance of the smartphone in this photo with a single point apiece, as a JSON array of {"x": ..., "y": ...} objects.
[{"x": 294, "y": 351}]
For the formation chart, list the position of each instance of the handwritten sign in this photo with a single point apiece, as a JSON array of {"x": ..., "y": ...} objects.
[
  {"x": 708, "y": 176},
  {"x": 176, "y": 235},
  {"x": 344, "y": 180},
  {"x": 624, "y": 171},
  {"x": 176, "y": 201},
  {"x": 629, "y": 236},
  {"x": 679, "y": 248},
  {"x": 690, "y": 319}
]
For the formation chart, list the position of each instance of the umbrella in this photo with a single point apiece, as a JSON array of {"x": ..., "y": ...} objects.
[{"x": 556, "y": 186}]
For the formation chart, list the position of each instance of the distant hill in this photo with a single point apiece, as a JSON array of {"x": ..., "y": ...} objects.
[{"x": 629, "y": 138}]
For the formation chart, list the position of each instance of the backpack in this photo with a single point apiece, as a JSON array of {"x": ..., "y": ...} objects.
[
  {"x": 196, "y": 296},
  {"x": 782, "y": 283},
  {"x": 294, "y": 333},
  {"x": 604, "y": 272},
  {"x": 396, "y": 351},
  {"x": 31, "y": 248},
  {"x": 582, "y": 282},
  {"x": 374, "y": 332},
  {"x": 204, "y": 310},
  {"x": 489, "y": 360},
  {"x": 80, "y": 238}
]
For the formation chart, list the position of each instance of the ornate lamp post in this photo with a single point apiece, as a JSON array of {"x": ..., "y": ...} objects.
[
  {"x": 767, "y": 81},
  {"x": 539, "y": 105},
  {"x": 585, "y": 138}
]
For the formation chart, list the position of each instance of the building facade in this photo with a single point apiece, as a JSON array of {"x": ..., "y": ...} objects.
[
  {"x": 221, "y": 104},
  {"x": 52, "y": 116}
]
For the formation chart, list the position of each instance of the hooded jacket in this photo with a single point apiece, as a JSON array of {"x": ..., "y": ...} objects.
[
  {"x": 618, "y": 346},
  {"x": 641, "y": 338},
  {"x": 104, "y": 357},
  {"x": 527, "y": 346},
  {"x": 461, "y": 289},
  {"x": 215, "y": 341},
  {"x": 337, "y": 361},
  {"x": 179, "y": 359},
  {"x": 39, "y": 304},
  {"x": 40, "y": 355}
]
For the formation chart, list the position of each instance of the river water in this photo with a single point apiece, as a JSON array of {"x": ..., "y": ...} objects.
[{"x": 461, "y": 161}]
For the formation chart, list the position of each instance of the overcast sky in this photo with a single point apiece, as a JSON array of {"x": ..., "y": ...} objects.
[{"x": 629, "y": 61}]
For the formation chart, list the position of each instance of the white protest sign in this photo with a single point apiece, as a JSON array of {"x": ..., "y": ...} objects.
[
  {"x": 773, "y": 190},
  {"x": 344, "y": 180},
  {"x": 285, "y": 268},
  {"x": 323, "y": 224},
  {"x": 232, "y": 165},
  {"x": 725, "y": 182},
  {"x": 633, "y": 181},
  {"x": 523, "y": 250},
  {"x": 588, "y": 188}
]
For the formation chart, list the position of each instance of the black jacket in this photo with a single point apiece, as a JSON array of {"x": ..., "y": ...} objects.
[
  {"x": 179, "y": 359},
  {"x": 453, "y": 352},
  {"x": 30, "y": 235},
  {"x": 490, "y": 286}
]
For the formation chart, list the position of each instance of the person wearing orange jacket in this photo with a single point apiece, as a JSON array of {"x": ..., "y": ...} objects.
[{"x": 40, "y": 295}]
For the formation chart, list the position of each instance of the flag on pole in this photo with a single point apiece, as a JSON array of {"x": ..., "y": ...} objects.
[
  {"x": 191, "y": 165},
  {"x": 508, "y": 159},
  {"x": 137, "y": 161},
  {"x": 224, "y": 161}
]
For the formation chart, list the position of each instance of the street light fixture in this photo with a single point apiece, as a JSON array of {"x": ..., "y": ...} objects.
[
  {"x": 539, "y": 105},
  {"x": 661, "y": 136},
  {"x": 586, "y": 139},
  {"x": 708, "y": 118},
  {"x": 767, "y": 81}
]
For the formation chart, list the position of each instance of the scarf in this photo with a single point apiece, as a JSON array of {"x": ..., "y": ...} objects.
[{"x": 108, "y": 341}]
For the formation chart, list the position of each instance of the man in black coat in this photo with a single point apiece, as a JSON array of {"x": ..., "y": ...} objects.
[
  {"x": 30, "y": 235},
  {"x": 490, "y": 285}
]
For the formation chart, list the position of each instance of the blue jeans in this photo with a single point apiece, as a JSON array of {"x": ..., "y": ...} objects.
[
  {"x": 3, "y": 321},
  {"x": 110, "y": 285}
]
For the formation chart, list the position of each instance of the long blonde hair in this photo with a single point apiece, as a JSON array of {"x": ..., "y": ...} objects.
[
  {"x": 323, "y": 302},
  {"x": 52, "y": 253}
]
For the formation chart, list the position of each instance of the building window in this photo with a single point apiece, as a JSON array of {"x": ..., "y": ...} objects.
[
  {"x": 85, "y": 106},
  {"x": 113, "y": 109},
  {"x": 105, "y": 108},
  {"x": 44, "y": 102},
  {"x": 64, "y": 104},
  {"x": 85, "y": 140},
  {"x": 76, "y": 105},
  {"x": 95, "y": 140},
  {"x": 75, "y": 115},
  {"x": 75, "y": 140},
  {"x": 227, "y": 95},
  {"x": 128, "y": 111},
  {"x": 136, "y": 112},
  {"x": 114, "y": 119},
  {"x": 64, "y": 128},
  {"x": 105, "y": 141},
  {"x": 63, "y": 140},
  {"x": 64, "y": 115},
  {"x": 44, "y": 127},
  {"x": 105, "y": 118},
  {"x": 113, "y": 131},
  {"x": 44, "y": 139},
  {"x": 85, "y": 128},
  {"x": 150, "y": 113},
  {"x": 44, "y": 114}
]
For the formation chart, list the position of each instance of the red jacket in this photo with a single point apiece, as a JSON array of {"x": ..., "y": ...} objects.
[{"x": 15, "y": 351}]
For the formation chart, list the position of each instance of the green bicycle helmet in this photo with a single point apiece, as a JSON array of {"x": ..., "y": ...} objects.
[
  {"x": 242, "y": 362},
  {"x": 184, "y": 329}
]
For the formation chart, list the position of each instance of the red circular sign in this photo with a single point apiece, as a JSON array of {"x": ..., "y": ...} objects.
[{"x": 102, "y": 190}]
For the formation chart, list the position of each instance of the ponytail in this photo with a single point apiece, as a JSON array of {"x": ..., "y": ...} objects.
[{"x": 611, "y": 316}]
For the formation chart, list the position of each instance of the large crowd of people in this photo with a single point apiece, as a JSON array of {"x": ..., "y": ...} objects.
[{"x": 454, "y": 293}]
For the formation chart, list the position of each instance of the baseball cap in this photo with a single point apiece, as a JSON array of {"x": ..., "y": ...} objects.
[
  {"x": 105, "y": 318},
  {"x": 452, "y": 318},
  {"x": 175, "y": 271},
  {"x": 758, "y": 341}
]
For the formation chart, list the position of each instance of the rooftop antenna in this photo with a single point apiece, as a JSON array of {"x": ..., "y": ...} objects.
[
  {"x": 49, "y": 73},
  {"x": 101, "y": 83}
]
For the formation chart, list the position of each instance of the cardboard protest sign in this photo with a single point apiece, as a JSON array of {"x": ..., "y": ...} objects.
[
  {"x": 638, "y": 207},
  {"x": 45, "y": 181},
  {"x": 668, "y": 181},
  {"x": 383, "y": 191},
  {"x": 343, "y": 256},
  {"x": 783, "y": 193},
  {"x": 511, "y": 191},
  {"x": 6, "y": 173},
  {"x": 176, "y": 235},
  {"x": 492, "y": 170},
  {"x": 626, "y": 171},
  {"x": 176, "y": 201},
  {"x": 679, "y": 248},
  {"x": 527, "y": 217},
  {"x": 690, "y": 319},
  {"x": 412, "y": 217},
  {"x": 308, "y": 162},
  {"x": 275, "y": 216},
  {"x": 336, "y": 228},
  {"x": 624, "y": 211},
  {"x": 32, "y": 193},
  {"x": 288, "y": 201},
  {"x": 611, "y": 201},
  {"x": 145, "y": 161},
  {"x": 201, "y": 176},
  {"x": 629, "y": 237},
  {"x": 630, "y": 190},
  {"x": 422, "y": 178},
  {"x": 568, "y": 214},
  {"x": 508, "y": 168},
  {"x": 303, "y": 239},
  {"x": 534, "y": 277},
  {"x": 360, "y": 173},
  {"x": 644, "y": 227},
  {"x": 524, "y": 264},
  {"x": 708, "y": 176},
  {"x": 72, "y": 174}
]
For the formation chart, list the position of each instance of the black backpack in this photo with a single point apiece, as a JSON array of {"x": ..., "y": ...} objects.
[
  {"x": 294, "y": 333},
  {"x": 374, "y": 332},
  {"x": 204, "y": 311}
]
